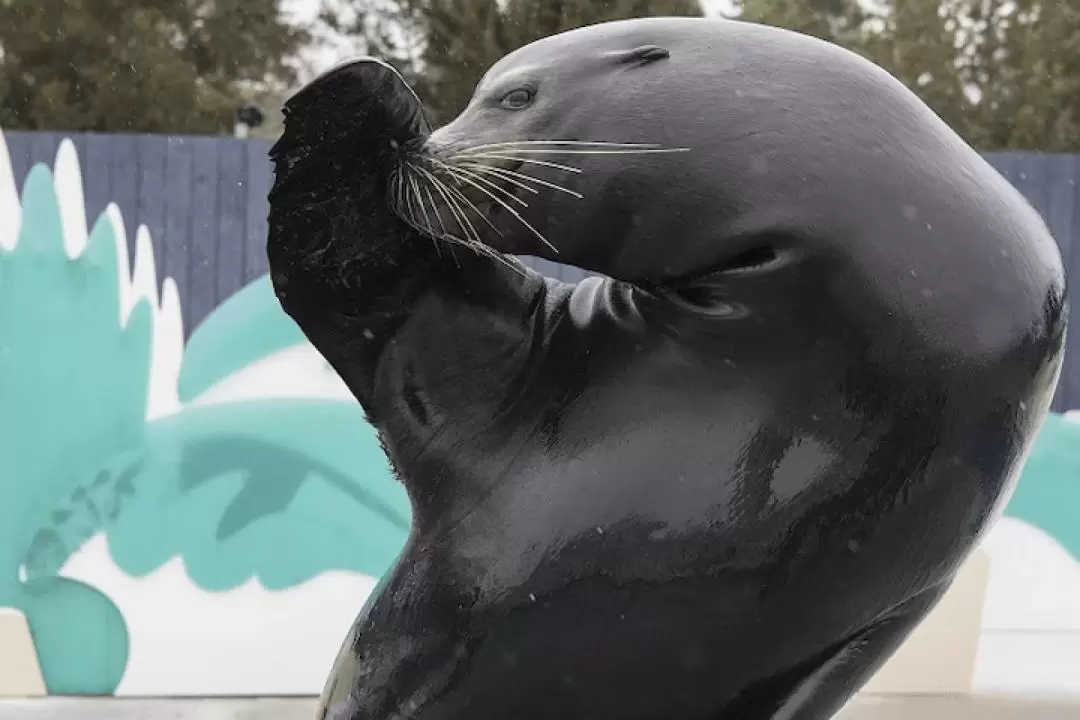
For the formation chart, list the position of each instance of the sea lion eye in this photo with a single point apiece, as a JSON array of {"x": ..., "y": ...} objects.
[{"x": 517, "y": 99}]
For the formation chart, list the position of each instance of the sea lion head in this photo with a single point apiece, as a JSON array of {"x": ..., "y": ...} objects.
[
  {"x": 558, "y": 140},
  {"x": 764, "y": 156}
]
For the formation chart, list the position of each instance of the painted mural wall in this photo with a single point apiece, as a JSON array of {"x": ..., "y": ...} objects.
[
  {"x": 206, "y": 517},
  {"x": 174, "y": 519}
]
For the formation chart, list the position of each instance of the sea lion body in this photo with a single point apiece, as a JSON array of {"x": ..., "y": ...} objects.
[{"x": 726, "y": 479}]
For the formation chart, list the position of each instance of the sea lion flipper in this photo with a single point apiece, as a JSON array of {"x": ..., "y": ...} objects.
[{"x": 408, "y": 307}]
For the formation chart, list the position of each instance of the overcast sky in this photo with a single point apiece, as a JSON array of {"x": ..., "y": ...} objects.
[{"x": 331, "y": 50}]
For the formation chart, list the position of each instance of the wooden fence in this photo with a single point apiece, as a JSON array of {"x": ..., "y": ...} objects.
[{"x": 204, "y": 201}]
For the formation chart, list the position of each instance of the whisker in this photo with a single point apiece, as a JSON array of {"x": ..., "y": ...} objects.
[
  {"x": 404, "y": 199},
  {"x": 471, "y": 233},
  {"x": 395, "y": 190},
  {"x": 554, "y": 143},
  {"x": 438, "y": 216},
  {"x": 467, "y": 200},
  {"x": 462, "y": 222},
  {"x": 502, "y": 172},
  {"x": 459, "y": 215},
  {"x": 545, "y": 163},
  {"x": 480, "y": 170},
  {"x": 444, "y": 232},
  {"x": 535, "y": 151},
  {"x": 414, "y": 187},
  {"x": 414, "y": 191},
  {"x": 410, "y": 200},
  {"x": 401, "y": 201},
  {"x": 496, "y": 255},
  {"x": 476, "y": 245},
  {"x": 522, "y": 220},
  {"x": 480, "y": 178}
]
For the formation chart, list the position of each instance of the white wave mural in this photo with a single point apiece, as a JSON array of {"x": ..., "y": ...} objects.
[
  {"x": 1031, "y": 620},
  {"x": 247, "y": 641},
  {"x": 10, "y": 207}
]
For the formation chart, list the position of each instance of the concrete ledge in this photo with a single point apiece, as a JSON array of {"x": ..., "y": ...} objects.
[
  {"x": 20, "y": 674},
  {"x": 867, "y": 707},
  {"x": 960, "y": 707}
]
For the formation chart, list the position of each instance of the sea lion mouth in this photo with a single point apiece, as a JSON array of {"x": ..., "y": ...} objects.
[{"x": 457, "y": 192}]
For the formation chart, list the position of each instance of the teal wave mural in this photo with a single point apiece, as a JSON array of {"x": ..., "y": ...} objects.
[
  {"x": 74, "y": 384},
  {"x": 245, "y": 328},
  {"x": 279, "y": 490},
  {"x": 1048, "y": 495}
]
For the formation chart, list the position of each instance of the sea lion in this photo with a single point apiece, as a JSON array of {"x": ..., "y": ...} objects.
[{"x": 724, "y": 478}]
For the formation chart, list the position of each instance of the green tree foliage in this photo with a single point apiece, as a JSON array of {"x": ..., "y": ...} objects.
[
  {"x": 838, "y": 21},
  {"x": 444, "y": 46},
  {"x": 139, "y": 65},
  {"x": 1005, "y": 74}
]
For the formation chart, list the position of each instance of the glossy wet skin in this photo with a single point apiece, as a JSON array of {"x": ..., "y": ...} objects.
[{"x": 705, "y": 487}]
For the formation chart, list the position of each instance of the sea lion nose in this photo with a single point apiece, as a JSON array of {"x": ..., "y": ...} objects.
[
  {"x": 435, "y": 144},
  {"x": 444, "y": 142}
]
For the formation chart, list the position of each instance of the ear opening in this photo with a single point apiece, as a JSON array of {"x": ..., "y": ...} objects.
[{"x": 643, "y": 55}]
